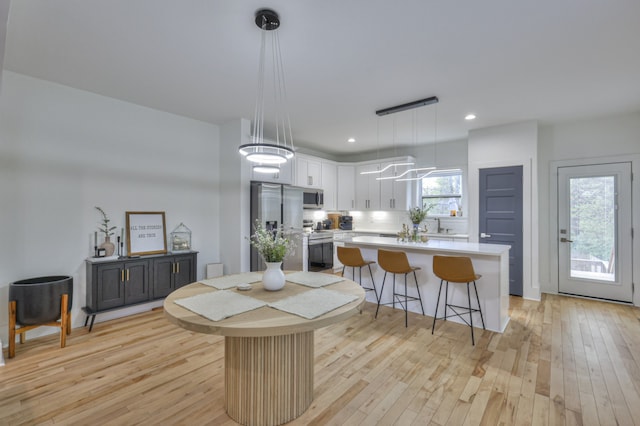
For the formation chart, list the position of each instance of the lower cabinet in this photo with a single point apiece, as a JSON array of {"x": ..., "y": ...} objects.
[
  {"x": 118, "y": 283},
  {"x": 173, "y": 272}
]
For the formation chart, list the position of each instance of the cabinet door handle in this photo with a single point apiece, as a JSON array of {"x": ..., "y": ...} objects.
[
  {"x": 127, "y": 274},
  {"x": 122, "y": 275},
  {"x": 173, "y": 268},
  {"x": 177, "y": 268}
]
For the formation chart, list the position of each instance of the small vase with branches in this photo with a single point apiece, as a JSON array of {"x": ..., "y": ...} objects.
[{"x": 107, "y": 231}]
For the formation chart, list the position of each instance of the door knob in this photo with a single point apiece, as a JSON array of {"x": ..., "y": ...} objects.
[
  {"x": 564, "y": 240},
  {"x": 483, "y": 235}
]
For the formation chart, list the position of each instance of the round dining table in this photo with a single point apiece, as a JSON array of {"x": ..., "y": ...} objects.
[{"x": 269, "y": 353}]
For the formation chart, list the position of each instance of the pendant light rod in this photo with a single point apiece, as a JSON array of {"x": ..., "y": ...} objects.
[
  {"x": 266, "y": 155},
  {"x": 409, "y": 105}
]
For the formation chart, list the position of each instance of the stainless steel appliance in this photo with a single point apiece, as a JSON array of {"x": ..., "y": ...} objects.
[
  {"x": 276, "y": 205},
  {"x": 320, "y": 251},
  {"x": 313, "y": 198},
  {"x": 346, "y": 223}
]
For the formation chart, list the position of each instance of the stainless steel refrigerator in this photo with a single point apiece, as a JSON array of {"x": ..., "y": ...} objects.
[{"x": 276, "y": 205}]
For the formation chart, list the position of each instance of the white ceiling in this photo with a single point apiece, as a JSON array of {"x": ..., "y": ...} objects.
[{"x": 506, "y": 61}]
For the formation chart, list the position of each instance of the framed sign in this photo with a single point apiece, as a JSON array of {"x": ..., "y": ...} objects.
[{"x": 146, "y": 233}]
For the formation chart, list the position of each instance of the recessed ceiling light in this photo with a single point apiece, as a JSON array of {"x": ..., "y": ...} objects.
[
  {"x": 351, "y": 140},
  {"x": 470, "y": 117}
]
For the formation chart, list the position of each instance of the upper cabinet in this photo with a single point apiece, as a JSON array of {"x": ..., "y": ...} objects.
[
  {"x": 313, "y": 172},
  {"x": 346, "y": 187},
  {"x": 396, "y": 195},
  {"x": 285, "y": 176},
  {"x": 367, "y": 187},
  {"x": 373, "y": 193},
  {"x": 329, "y": 184},
  {"x": 308, "y": 172}
]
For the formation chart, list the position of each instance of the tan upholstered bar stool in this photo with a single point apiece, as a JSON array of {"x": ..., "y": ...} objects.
[
  {"x": 456, "y": 269},
  {"x": 396, "y": 262},
  {"x": 352, "y": 257}
]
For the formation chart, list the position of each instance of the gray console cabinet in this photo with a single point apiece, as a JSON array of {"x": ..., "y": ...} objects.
[{"x": 117, "y": 283}]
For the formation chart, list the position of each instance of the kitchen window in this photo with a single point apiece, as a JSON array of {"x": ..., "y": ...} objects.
[{"x": 442, "y": 189}]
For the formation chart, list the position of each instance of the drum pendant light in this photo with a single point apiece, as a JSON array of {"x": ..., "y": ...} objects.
[{"x": 268, "y": 156}]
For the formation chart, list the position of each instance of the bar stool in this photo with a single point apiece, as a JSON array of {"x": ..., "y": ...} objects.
[
  {"x": 396, "y": 262},
  {"x": 456, "y": 269},
  {"x": 352, "y": 257}
]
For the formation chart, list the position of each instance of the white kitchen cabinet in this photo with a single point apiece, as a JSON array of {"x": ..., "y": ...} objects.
[
  {"x": 308, "y": 172},
  {"x": 285, "y": 176},
  {"x": 329, "y": 183},
  {"x": 367, "y": 187},
  {"x": 346, "y": 197},
  {"x": 396, "y": 195}
]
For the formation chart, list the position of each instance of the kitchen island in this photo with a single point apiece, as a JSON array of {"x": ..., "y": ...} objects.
[{"x": 489, "y": 260}]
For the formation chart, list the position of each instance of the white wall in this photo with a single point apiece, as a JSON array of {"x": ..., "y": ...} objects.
[
  {"x": 585, "y": 141},
  {"x": 235, "y": 195},
  {"x": 509, "y": 145},
  {"x": 64, "y": 151}
]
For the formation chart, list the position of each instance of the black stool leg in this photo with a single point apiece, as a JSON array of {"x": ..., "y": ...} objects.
[
  {"x": 373, "y": 284},
  {"x": 406, "y": 308},
  {"x": 418, "y": 288},
  {"x": 394, "y": 291},
  {"x": 473, "y": 341},
  {"x": 435, "y": 314},
  {"x": 479, "y": 308},
  {"x": 343, "y": 270},
  {"x": 446, "y": 300},
  {"x": 381, "y": 291}
]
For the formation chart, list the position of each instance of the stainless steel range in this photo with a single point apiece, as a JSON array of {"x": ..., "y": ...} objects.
[{"x": 320, "y": 251}]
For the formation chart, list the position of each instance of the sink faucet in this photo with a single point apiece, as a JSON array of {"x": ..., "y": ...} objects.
[{"x": 439, "y": 228}]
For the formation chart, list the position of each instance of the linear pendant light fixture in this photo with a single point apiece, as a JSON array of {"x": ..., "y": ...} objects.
[
  {"x": 410, "y": 105},
  {"x": 268, "y": 156},
  {"x": 399, "y": 108}
]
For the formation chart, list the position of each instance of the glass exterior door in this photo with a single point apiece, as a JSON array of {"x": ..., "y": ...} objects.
[{"x": 594, "y": 232}]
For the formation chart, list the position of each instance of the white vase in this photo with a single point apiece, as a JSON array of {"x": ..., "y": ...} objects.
[{"x": 273, "y": 277}]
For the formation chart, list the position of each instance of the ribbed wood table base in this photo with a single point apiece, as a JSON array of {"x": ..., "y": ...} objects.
[{"x": 268, "y": 380}]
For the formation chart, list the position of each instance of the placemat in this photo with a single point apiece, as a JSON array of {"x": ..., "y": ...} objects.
[
  {"x": 219, "y": 305},
  {"x": 230, "y": 281},
  {"x": 313, "y": 303},
  {"x": 313, "y": 279}
]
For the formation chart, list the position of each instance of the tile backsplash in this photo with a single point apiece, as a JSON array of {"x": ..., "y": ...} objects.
[{"x": 392, "y": 221}]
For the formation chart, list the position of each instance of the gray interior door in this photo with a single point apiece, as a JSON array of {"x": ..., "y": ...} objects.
[{"x": 500, "y": 220}]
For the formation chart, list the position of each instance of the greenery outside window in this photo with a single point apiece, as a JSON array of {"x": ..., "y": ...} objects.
[{"x": 442, "y": 189}]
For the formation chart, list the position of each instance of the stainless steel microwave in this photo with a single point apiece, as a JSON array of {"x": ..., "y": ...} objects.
[{"x": 312, "y": 198}]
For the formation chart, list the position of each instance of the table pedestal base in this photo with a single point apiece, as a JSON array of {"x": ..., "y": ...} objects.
[{"x": 268, "y": 380}]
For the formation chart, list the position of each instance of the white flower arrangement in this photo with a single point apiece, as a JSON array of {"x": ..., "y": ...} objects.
[{"x": 272, "y": 247}]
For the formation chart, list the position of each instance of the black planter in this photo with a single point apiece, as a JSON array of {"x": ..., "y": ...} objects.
[{"x": 38, "y": 299}]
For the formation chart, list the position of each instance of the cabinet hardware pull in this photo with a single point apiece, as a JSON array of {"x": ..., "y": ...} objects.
[
  {"x": 122, "y": 275},
  {"x": 177, "y": 268},
  {"x": 127, "y": 274}
]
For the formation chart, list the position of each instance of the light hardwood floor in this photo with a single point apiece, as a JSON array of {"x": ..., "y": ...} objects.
[{"x": 561, "y": 361}]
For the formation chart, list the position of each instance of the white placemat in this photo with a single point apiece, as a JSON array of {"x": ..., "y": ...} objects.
[
  {"x": 313, "y": 303},
  {"x": 313, "y": 279},
  {"x": 230, "y": 281},
  {"x": 219, "y": 305}
]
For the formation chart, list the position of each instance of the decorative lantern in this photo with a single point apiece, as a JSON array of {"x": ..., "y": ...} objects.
[{"x": 180, "y": 239}]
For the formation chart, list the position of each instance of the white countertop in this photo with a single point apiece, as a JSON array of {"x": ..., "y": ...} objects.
[
  {"x": 432, "y": 245},
  {"x": 429, "y": 234}
]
